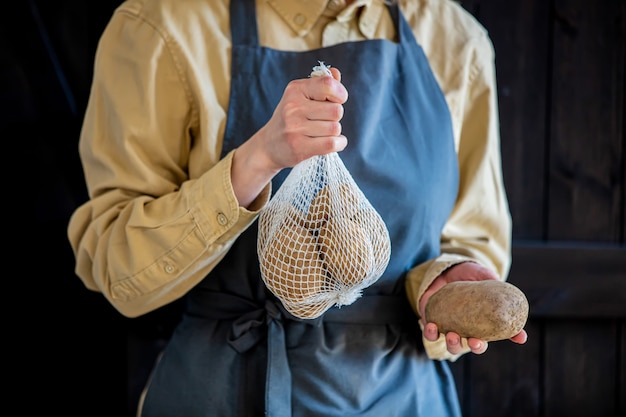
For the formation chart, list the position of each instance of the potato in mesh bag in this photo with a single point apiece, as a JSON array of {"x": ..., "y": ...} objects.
[{"x": 320, "y": 240}]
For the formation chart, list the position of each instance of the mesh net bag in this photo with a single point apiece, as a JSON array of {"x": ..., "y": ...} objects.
[{"x": 320, "y": 241}]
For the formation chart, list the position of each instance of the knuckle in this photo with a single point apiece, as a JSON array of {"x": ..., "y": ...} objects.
[
  {"x": 290, "y": 108},
  {"x": 328, "y": 82}
]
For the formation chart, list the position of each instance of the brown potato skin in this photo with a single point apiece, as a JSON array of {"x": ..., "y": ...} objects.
[
  {"x": 293, "y": 267},
  {"x": 488, "y": 310},
  {"x": 346, "y": 251}
]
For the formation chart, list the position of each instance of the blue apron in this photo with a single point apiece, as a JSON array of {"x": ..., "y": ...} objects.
[{"x": 237, "y": 352}]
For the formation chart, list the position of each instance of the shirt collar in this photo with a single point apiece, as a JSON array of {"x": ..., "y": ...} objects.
[
  {"x": 301, "y": 15},
  {"x": 370, "y": 14}
]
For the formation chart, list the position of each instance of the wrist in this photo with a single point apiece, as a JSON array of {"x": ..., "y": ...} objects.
[{"x": 250, "y": 173}]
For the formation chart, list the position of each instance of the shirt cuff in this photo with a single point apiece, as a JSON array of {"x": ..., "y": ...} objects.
[
  {"x": 215, "y": 205},
  {"x": 417, "y": 282}
]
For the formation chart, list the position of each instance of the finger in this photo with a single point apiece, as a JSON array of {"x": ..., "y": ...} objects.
[
  {"x": 325, "y": 89},
  {"x": 321, "y": 145},
  {"x": 324, "y": 110},
  {"x": 477, "y": 346},
  {"x": 431, "y": 332},
  {"x": 453, "y": 343},
  {"x": 520, "y": 338},
  {"x": 336, "y": 73},
  {"x": 321, "y": 128}
]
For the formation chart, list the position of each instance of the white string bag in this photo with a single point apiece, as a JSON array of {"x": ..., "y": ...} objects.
[{"x": 320, "y": 241}]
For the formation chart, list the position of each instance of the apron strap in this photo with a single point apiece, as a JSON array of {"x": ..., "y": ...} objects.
[{"x": 243, "y": 24}]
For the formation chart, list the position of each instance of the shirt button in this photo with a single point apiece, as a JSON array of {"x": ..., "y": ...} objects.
[
  {"x": 299, "y": 19},
  {"x": 169, "y": 268},
  {"x": 222, "y": 219}
]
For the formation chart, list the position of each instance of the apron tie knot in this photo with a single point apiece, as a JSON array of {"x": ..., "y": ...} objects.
[
  {"x": 252, "y": 327},
  {"x": 248, "y": 330}
]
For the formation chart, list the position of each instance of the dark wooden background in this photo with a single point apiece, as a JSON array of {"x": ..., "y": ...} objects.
[{"x": 561, "y": 71}]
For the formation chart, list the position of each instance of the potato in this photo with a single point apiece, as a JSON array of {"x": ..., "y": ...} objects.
[
  {"x": 291, "y": 264},
  {"x": 308, "y": 310},
  {"x": 293, "y": 215},
  {"x": 346, "y": 251},
  {"x": 488, "y": 310},
  {"x": 371, "y": 223},
  {"x": 332, "y": 200},
  {"x": 318, "y": 211}
]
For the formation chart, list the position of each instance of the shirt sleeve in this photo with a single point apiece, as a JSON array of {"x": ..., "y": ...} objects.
[
  {"x": 479, "y": 227},
  {"x": 149, "y": 231}
]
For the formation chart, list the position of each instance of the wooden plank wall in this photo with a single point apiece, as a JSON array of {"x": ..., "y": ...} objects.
[{"x": 561, "y": 72}]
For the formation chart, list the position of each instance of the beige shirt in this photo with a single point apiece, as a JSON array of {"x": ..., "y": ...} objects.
[{"x": 162, "y": 212}]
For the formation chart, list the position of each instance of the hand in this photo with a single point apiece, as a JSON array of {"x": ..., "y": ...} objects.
[
  {"x": 305, "y": 123},
  {"x": 466, "y": 271}
]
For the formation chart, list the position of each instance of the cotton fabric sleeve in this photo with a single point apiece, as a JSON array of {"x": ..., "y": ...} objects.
[
  {"x": 150, "y": 231},
  {"x": 479, "y": 227}
]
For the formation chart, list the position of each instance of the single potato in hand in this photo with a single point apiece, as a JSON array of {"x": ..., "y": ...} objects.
[{"x": 488, "y": 310}]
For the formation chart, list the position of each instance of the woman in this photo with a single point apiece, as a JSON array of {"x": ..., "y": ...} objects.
[{"x": 199, "y": 108}]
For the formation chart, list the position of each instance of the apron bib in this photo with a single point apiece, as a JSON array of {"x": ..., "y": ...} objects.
[{"x": 237, "y": 352}]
